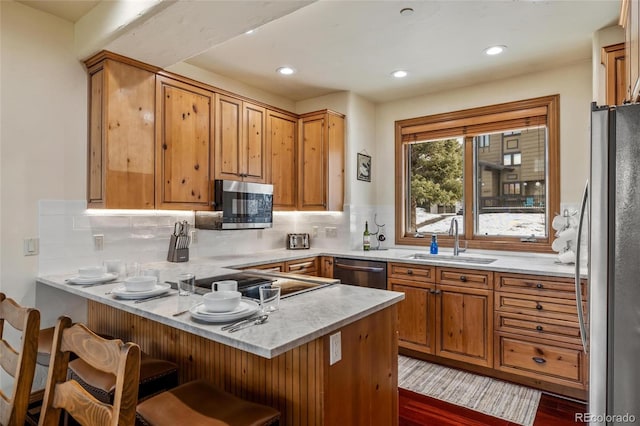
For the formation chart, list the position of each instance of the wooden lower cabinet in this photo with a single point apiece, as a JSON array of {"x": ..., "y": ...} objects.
[
  {"x": 541, "y": 359},
  {"x": 537, "y": 333},
  {"x": 516, "y": 327},
  {"x": 360, "y": 389},
  {"x": 270, "y": 267},
  {"x": 416, "y": 315},
  {"x": 326, "y": 266},
  {"x": 306, "y": 266},
  {"x": 464, "y": 324},
  {"x": 450, "y": 321}
]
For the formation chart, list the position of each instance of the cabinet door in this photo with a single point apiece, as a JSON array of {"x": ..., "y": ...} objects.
[
  {"x": 613, "y": 59},
  {"x": 464, "y": 324},
  {"x": 253, "y": 144},
  {"x": 121, "y": 137},
  {"x": 281, "y": 137},
  {"x": 184, "y": 134},
  {"x": 335, "y": 163},
  {"x": 416, "y": 316},
  {"x": 228, "y": 137},
  {"x": 326, "y": 267},
  {"x": 312, "y": 184}
]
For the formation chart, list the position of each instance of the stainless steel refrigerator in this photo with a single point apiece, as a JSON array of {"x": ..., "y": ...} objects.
[{"x": 611, "y": 332}]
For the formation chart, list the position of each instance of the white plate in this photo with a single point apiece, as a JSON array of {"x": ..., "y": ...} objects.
[
  {"x": 122, "y": 293},
  {"x": 93, "y": 280},
  {"x": 246, "y": 309}
]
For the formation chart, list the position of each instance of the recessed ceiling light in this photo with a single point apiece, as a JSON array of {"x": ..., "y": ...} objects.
[
  {"x": 285, "y": 70},
  {"x": 399, "y": 74},
  {"x": 494, "y": 50},
  {"x": 251, "y": 31},
  {"x": 407, "y": 11}
]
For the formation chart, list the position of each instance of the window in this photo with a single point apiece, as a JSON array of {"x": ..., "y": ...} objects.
[
  {"x": 512, "y": 159},
  {"x": 495, "y": 169}
]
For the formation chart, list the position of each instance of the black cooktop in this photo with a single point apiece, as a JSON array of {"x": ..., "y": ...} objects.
[{"x": 248, "y": 284}]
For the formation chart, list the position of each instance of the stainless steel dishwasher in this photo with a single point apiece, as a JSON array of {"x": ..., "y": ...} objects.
[{"x": 363, "y": 273}]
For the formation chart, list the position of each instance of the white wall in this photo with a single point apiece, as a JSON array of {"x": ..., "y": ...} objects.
[
  {"x": 42, "y": 139},
  {"x": 43, "y": 135},
  {"x": 231, "y": 85},
  {"x": 572, "y": 83}
]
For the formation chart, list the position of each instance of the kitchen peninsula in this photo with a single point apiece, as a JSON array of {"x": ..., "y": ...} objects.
[{"x": 286, "y": 362}]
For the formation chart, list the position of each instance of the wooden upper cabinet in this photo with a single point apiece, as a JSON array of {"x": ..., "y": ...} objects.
[
  {"x": 240, "y": 140},
  {"x": 614, "y": 61},
  {"x": 184, "y": 133},
  {"x": 281, "y": 138},
  {"x": 321, "y": 161},
  {"x": 121, "y": 135},
  {"x": 630, "y": 21}
]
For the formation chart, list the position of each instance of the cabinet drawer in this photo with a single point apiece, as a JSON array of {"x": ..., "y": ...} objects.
[
  {"x": 411, "y": 272},
  {"x": 537, "y": 306},
  {"x": 547, "y": 328},
  {"x": 270, "y": 267},
  {"x": 306, "y": 266},
  {"x": 541, "y": 361},
  {"x": 464, "y": 277},
  {"x": 537, "y": 285}
]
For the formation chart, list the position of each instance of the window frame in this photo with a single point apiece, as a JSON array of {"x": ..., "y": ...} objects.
[{"x": 467, "y": 124}]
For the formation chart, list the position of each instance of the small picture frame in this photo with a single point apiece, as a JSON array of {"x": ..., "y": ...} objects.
[{"x": 363, "y": 168}]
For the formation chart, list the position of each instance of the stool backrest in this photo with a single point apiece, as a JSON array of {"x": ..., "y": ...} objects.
[
  {"x": 19, "y": 364},
  {"x": 111, "y": 356}
]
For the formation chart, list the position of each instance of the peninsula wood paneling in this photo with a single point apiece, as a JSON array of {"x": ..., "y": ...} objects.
[{"x": 299, "y": 383}]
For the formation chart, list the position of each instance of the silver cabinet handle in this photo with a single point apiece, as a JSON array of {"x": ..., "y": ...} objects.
[{"x": 583, "y": 330}]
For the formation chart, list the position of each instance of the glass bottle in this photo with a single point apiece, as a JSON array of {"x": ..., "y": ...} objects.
[
  {"x": 434, "y": 244},
  {"x": 366, "y": 238}
]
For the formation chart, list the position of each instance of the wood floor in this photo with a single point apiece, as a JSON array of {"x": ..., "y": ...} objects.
[{"x": 420, "y": 410}]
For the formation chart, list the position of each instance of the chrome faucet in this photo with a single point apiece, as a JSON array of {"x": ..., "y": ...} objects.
[{"x": 453, "y": 231}]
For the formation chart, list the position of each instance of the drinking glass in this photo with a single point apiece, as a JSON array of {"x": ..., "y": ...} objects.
[
  {"x": 186, "y": 284},
  {"x": 132, "y": 269},
  {"x": 269, "y": 299},
  {"x": 113, "y": 266}
]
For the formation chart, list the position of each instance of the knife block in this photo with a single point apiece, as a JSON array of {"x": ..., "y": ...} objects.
[{"x": 176, "y": 254}]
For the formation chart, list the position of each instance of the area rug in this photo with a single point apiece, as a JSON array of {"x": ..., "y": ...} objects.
[{"x": 514, "y": 403}]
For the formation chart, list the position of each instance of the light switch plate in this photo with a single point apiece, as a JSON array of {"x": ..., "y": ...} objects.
[
  {"x": 335, "y": 348},
  {"x": 31, "y": 246},
  {"x": 98, "y": 242}
]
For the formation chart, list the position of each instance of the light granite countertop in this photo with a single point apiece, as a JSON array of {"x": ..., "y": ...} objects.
[
  {"x": 304, "y": 317},
  {"x": 300, "y": 319}
]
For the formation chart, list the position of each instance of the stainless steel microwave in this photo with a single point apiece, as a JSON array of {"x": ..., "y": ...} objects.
[{"x": 244, "y": 205}]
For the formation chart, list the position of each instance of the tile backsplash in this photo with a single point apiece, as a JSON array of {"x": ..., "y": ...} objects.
[{"x": 67, "y": 229}]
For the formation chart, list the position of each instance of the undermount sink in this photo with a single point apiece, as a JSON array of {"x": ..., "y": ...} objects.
[{"x": 457, "y": 259}]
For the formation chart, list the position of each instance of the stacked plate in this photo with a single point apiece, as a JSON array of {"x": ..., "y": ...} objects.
[
  {"x": 121, "y": 292},
  {"x": 100, "y": 278},
  {"x": 245, "y": 309}
]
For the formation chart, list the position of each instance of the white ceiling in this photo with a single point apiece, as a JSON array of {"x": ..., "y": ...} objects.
[
  {"x": 71, "y": 10},
  {"x": 354, "y": 45}
]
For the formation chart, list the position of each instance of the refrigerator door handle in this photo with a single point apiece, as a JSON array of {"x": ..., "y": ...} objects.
[{"x": 583, "y": 208}]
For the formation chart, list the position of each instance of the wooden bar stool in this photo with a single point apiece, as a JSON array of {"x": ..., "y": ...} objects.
[
  {"x": 110, "y": 356},
  {"x": 156, "y": 375},
  {"x": 19, "y": 364},
  {"x": 202, "y": 404}
]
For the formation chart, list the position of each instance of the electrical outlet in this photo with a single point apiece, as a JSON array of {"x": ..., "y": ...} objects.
[
  {"x": 31, "y": 246},
  {"x": 335, "y": 348},
  {"x": 314, "y": 232},
  {"x": 193, "y": 236},
  {"x": 331, "y": 231},
  {"x": 98, "y": 242}
]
